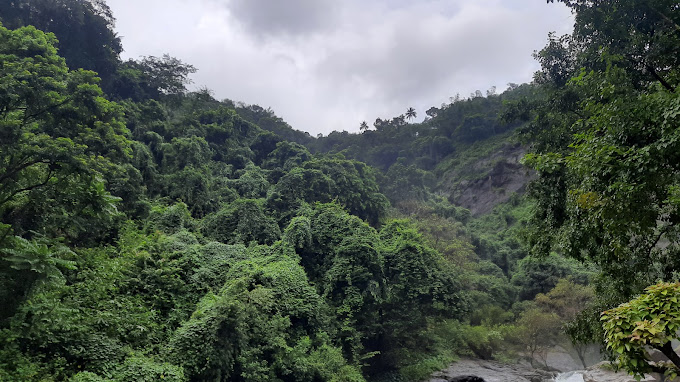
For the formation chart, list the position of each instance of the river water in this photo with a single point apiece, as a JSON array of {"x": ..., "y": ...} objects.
[{"x": 570, "y": 376}]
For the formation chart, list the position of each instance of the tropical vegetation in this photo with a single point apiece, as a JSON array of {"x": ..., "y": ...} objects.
[{"x": 151, "y": 232}]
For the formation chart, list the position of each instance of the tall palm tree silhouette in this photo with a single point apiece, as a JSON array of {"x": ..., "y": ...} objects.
[{"x": 411, "y": 113}]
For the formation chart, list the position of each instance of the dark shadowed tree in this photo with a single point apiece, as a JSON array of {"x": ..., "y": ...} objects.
[{"x": 84, "y": 28}]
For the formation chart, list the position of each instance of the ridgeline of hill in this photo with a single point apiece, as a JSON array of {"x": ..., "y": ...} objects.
[{"x": 148, "y": 232}]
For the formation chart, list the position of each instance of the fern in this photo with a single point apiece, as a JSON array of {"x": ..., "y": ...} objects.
[{"x": 40, "y": 256}]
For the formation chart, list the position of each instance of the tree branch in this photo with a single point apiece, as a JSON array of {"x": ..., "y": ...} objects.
[
  {"x": 11, "y": 173},
  {"x": 29, "y": 188},
  {"x": 659, "y": 78},
  {"x": 667, "y": 350},
  {"x": 655, "y": 241},
  {"x": 651, "y": 70},
  {"x": 28, "y": 117},
  {"x": 666, "y": 18}
]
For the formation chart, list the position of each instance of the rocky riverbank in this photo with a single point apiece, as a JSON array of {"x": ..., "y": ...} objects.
[
  {"x": 490, "y": 371},
  {"x": 472, "y": 370},
  {"x": 603, "y": 373}
]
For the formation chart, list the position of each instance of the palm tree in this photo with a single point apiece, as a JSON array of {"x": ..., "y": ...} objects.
[
  {"x": 411, "y": 113},
  {"x": 363, "y": 126}
]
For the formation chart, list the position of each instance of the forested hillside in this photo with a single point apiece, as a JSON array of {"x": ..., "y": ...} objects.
[{"x": 149, "y": 232}]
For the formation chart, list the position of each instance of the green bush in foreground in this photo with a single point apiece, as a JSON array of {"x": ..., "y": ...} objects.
[{"x": 649, "y": 321}]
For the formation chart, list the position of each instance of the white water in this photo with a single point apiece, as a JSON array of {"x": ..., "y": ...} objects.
[{"x": 570, "y": 376}]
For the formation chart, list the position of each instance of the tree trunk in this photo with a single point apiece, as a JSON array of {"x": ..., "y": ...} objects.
[{"x": 580, "y": 352}]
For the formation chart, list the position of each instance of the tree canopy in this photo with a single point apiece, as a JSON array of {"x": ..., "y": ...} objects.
[
  {"x": 164, "y": 236},
  {"x": 603, "y": 131},
  {"x": 604, "y": 142},
  {"x": 60, "y": 138},
  {"x": 85, "y": 29}
]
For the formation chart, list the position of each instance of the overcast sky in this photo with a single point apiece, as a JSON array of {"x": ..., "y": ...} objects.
[{"x": 326, "y": 65}]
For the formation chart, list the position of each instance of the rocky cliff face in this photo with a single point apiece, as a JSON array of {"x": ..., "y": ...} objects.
[{"x": 492, "y": 179}]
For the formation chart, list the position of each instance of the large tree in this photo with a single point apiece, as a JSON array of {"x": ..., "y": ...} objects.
[
  {"x": 605, "y": 142},
  {"x": 59, "y": 135},
  {"x": 644, "y": 34},
  {"x": 59, "y": 140}
]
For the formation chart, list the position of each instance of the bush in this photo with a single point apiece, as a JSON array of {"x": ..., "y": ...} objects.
[
  {"x": 170, "y": 219},
  {"x": 241, "y": 222},
  {"x": 144, "y": 369}
]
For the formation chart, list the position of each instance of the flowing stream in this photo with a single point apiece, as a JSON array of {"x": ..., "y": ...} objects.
[{"x": 570, "y": 376}]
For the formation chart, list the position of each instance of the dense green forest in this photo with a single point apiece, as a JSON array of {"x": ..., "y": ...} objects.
[{"x": 149, "y": 232}]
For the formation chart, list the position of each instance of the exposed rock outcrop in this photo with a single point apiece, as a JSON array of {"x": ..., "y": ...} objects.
[
  {"x": 489, "y": 181},
  {"x": 490, "y": 371}
]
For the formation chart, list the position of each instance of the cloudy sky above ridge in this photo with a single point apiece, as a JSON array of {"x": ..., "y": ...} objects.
[{"x": 326, "y": 65}]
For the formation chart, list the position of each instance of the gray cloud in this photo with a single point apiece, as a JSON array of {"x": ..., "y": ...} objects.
[
  {"x": 326, "y": 66},
  {"x": 267, "y": 18},
  {"x": 415, "y": 55}
]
